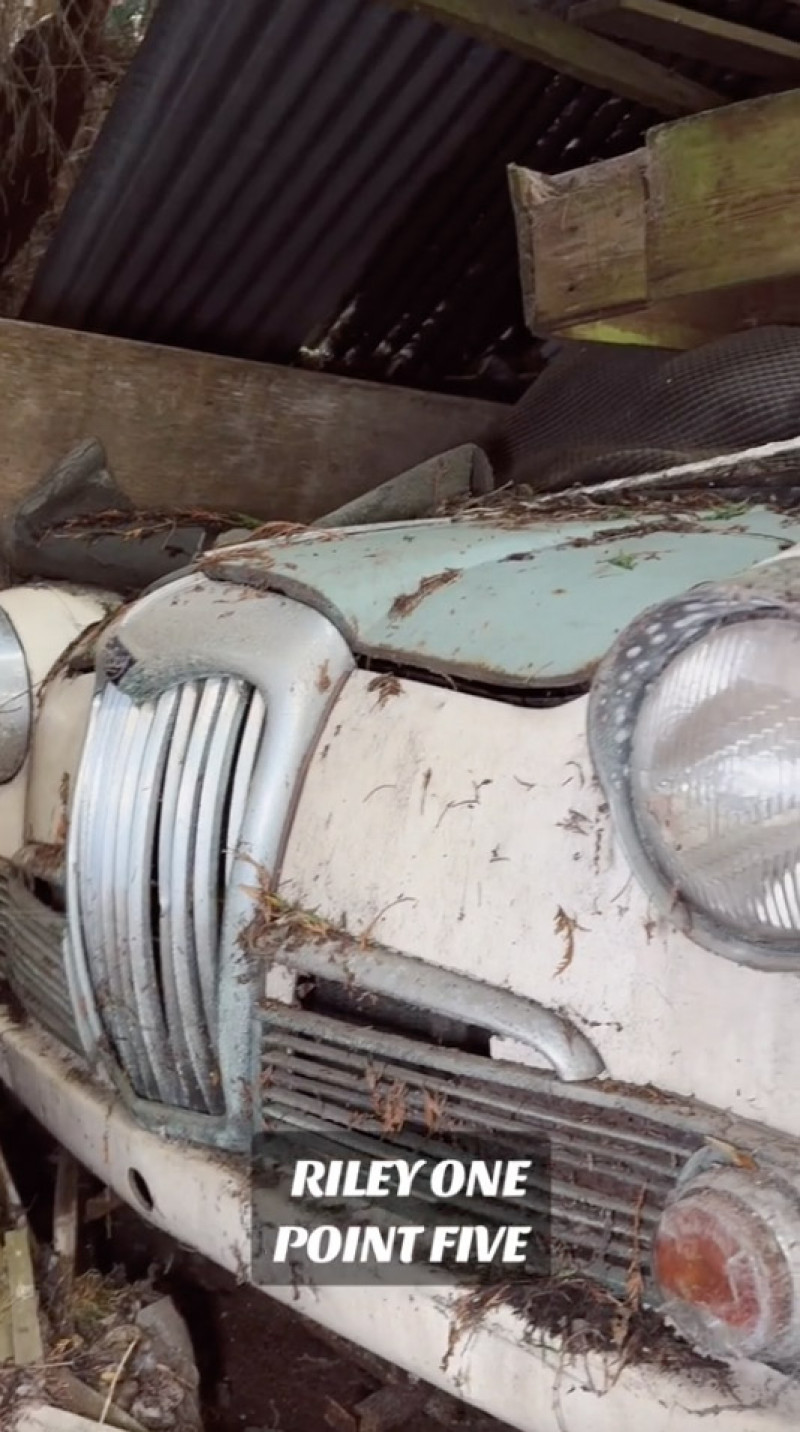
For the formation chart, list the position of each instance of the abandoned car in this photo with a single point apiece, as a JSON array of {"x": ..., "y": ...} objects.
[{"x": 489, "y": 815}]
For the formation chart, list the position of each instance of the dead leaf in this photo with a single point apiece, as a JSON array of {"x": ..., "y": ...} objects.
[
  {"x": 405, "y": 604},
  {"x": 739, "y": 1157},
  {"x": 566, "y": 925},
  {"x": 386, "y": 685}
]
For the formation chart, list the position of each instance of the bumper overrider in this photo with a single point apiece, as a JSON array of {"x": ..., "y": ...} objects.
[{"x": 165, "y": 980}]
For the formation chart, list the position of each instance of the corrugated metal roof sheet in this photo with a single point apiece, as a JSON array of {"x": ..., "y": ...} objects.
[{"x": 307, "y": 179}]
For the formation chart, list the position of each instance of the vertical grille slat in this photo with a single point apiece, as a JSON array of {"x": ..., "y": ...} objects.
[
  {"x": 183, "y": 836},
  {"x": 116, "y": 991},
  {"x": 140, "y": 1014},
  {"x": 162, "y": 794},
  {"x": 153, "y": 740},
  {"x": 188, "y": 1050},
  {"x": 248, "y": 751},
  {"x": 208, "y": 857}
]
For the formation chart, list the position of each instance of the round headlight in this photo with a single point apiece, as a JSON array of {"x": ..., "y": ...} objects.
[
  {"x": 714, "y": 773},
  {"x": 16, "y": 710}
]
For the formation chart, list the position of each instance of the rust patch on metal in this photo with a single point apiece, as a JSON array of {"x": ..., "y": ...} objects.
[{"x": 408, "y": 602}]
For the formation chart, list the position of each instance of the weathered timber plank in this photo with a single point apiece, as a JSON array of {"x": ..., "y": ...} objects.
[
  {"x": 191, "y": 430},
  {"x": 6, "y": 1339},
  {"x": 689, "y": 239},
  {"x": 724, "y": 206},
  {"x": 582, "y": 246},
  {"x": 26, "y": 1334},
  {"x": 689, "y": 33},
  {"x": 524, "y": 28},
  {"x": 42, "y": 1418},
  {"x": 66, "y": 1213},
  {"x": 581, "y": 240}
]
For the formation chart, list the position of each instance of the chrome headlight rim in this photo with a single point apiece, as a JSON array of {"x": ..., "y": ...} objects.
[
  {"x": 16, "y": 701},
  {"x": 642, "y": 654}
]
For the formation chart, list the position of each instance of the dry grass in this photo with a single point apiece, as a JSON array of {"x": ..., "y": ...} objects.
[
  {"x": 55, "y": 68},
  {"x": 80, "y": 1323},
  {"x": 577, "y": 1317},
  {"x": 679, "y": 509},
  {"x": 97, "y": 1358}
]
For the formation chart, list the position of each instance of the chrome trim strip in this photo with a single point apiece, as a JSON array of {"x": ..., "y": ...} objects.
[
  {"x": 138, "y": 916},
  {"x": 79, "y": 971},
  {"x": 188, "y": 1053},
  {"x": 386, "y": 972},
  {"x": 209, "y": 855},
  {"x": 134, "y": 1013},
  {"x": 245, "y": 764}
]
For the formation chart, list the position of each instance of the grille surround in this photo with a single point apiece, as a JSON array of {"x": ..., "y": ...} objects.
[{"x": 196, "y": 627}]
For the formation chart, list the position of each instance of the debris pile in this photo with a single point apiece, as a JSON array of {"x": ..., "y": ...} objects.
[{"x": 79, "y": 1351}]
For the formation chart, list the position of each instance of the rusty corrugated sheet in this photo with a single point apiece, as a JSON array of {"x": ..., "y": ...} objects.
[{"x": 317, "y": 180}]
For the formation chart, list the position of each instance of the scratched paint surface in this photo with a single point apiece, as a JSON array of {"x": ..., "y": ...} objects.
[{"x": 537, "y": 605}]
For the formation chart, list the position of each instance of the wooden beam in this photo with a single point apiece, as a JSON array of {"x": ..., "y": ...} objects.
[
  {"x": 689, "y": 239},
  {"x": 583, "y": 258},
  {"x": 190, "y": 430},
  {"x": 724, "y": 206},
  {"x": 524, "y": 28},
  {"x": 664, "y": 26},
  {"x": 6, "y": 1334},
  {"x": 582, "y": 235}
]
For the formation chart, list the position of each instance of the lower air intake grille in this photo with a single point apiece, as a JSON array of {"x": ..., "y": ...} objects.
[
  {"x": 5, "y": 942},
  {"x": 158, "y": 814},
  {"x": 612, "y": 1159},
  {"x": 32, "y": 957}
]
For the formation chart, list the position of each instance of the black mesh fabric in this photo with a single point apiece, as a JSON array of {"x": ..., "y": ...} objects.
[{"x": 600, "y": 411}]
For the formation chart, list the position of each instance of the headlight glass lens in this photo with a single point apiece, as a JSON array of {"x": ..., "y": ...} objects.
[
  {"x": 15, "y": 701},
  {"x": 715, "y": 777}
]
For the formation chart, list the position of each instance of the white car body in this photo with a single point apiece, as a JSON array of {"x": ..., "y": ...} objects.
[{"x": 469, "y": 834}]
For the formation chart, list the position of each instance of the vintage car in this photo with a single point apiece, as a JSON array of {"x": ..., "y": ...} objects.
[{"x": 530, "y": 764}]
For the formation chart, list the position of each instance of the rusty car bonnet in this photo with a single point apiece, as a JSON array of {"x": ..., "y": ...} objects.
[{"x": 529, "y": 607}]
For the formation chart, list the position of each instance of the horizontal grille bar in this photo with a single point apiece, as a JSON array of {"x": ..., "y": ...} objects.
[
  {"x": 33, "y": 958},
  {"x": 609, "y": 1164}
]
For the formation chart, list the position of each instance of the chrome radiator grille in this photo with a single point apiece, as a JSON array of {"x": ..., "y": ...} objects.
[
  {"x": 157, "y": 817},
  {"x": 612, "y": 1159}
]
